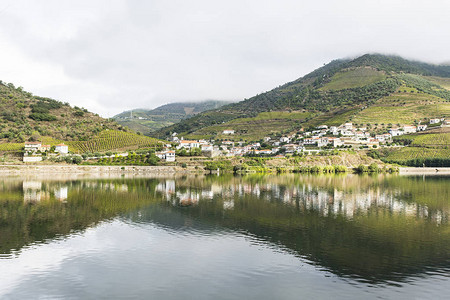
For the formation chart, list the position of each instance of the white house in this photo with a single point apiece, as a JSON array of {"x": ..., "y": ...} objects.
[
  {"x": 188, "y": 144},
  {"x": 336, "y": 141},
  {"x": 421, "y": 127},
  {"x": 166, "y": 155},
  {"x": 207, "y": 147},
  {"x": 380, "y": 137},
  {"x": 32, "y": 146},
  {"x": 170, "y": 155},
  {"x": 228, "y": 131},
  {"x": 61, "y": 148},
  {"x": 409, "y": 129},
  {"x": 435, "y": 121},
  {"x": 396, "y": 132}
]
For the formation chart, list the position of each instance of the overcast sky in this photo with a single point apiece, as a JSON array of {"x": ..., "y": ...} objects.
[{"x": 110, "y": 56}]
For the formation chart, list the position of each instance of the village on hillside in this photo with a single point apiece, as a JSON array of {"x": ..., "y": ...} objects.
[
  {"x": 322, "y": 138},
  {"x": 303, "y": 142}
]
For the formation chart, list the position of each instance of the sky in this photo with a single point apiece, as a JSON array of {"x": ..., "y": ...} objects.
[{"x": 114, "y": 55}]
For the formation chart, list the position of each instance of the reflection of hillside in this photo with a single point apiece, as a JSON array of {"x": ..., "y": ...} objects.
[
  {"x": 376, "y": 228},
  {"x": 327, "y": 195},
  {"x": 33, "y": 211},
  {"x": 370, "y": 230}
]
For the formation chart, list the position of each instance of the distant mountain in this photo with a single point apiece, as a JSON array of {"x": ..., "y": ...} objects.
[
  {"x": 146, "y": 121},
  {"x": 371, "y": 89}
]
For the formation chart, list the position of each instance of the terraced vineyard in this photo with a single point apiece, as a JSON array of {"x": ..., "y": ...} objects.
[
  {"x": 419, "y": 156},
  {"x": 404, "y": 106},
  {"x": 11, "y": 147},
  {"x": 432, "y": 140},
  {"x": 354, "y": 78},
  {"x": 112, "y": 140},
  {"x": 254, "y": 128}
]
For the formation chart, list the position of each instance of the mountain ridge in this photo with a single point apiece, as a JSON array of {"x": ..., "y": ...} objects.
[
  {"x": 340, "y": 85},
  {"x": 147, "y": 120}
]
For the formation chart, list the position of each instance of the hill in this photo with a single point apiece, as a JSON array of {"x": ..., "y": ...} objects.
[
  {"x": 25, "y": 117},
  {"x": 374, "y": 90},
  {"x": 146, "y": 121}
]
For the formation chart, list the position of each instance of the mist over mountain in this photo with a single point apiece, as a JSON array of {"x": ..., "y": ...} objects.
[{"x": 372, "y": 88}]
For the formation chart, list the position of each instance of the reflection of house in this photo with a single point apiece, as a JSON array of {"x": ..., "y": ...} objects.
[
  {"x": 61, "y": 193},
  {"x": 32, "y": 191}
]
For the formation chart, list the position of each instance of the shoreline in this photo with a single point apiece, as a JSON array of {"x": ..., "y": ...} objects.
[
  {"x": 78, "y": 169},
  {"x": 16, "y": 169},
  {"x": 424, "y": 171}
]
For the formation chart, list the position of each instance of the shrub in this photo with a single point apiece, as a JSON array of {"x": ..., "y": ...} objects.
[
  {"x": 374, "y": 168},
  {"x": 362, "y": 169}
]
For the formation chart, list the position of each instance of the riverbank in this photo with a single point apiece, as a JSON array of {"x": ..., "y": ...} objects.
[
  {"x": 16, "y": 169},
  {"x": 77, "y": 169},
  {"x": 424, "y": 171}
]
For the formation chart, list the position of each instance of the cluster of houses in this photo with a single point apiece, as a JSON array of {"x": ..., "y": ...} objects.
[
  {"x": 33, "y": 151},
  {"x": 344, "y": 136}
]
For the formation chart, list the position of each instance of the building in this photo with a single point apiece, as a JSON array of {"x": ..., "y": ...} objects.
[
  {"x": 435, "y": 121},
  {"x": 380, "y": 137},
  {"x": 44, "y": 148},
  {"x": 188, "y": 145},
  {"x": 228, "y": 131},
  {"x": 32, "y": 146},
  {"x": 396, "y": 132},
  {"x": 421, "y": 127},
  {"x": 61, "y": 148},
  {"x": 348, "y": 126},
  {"x": 170, "y": 155},
  {"x": 285, "y": 139},
  {"x": 409, "y": 129},
  {"x": 166, "y": 155}
]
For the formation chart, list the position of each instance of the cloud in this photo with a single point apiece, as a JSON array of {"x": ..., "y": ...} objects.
[{"x": 114, "y": 55}]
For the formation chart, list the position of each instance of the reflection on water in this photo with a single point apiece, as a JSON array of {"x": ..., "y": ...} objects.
[
  {"x": 379, "y": 230},
  {"x": 325, "y": 199}
]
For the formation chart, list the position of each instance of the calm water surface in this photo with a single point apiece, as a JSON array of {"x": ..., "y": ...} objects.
[{"x": 253, "y": 237}]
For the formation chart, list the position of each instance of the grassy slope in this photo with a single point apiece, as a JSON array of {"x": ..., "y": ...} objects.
[
  {"x": 443, "y": 82},
  {"x": 81, "y": 130},
  {"x": 353, "y": 78},
  {"x": 404, "y": 107},
  {"x": 255, "y": 128},
  {"x": 70, "y": 123}
]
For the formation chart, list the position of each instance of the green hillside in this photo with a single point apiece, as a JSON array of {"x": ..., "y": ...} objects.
[
  {"x": 430, "y": 148},
  {"x": 25, "y": 117},
  {"x": 146, "y": 121},
  {"x": 374, "y": 90}
]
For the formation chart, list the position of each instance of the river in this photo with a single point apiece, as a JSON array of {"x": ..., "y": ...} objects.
[{"x": 225, "y": 237}]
